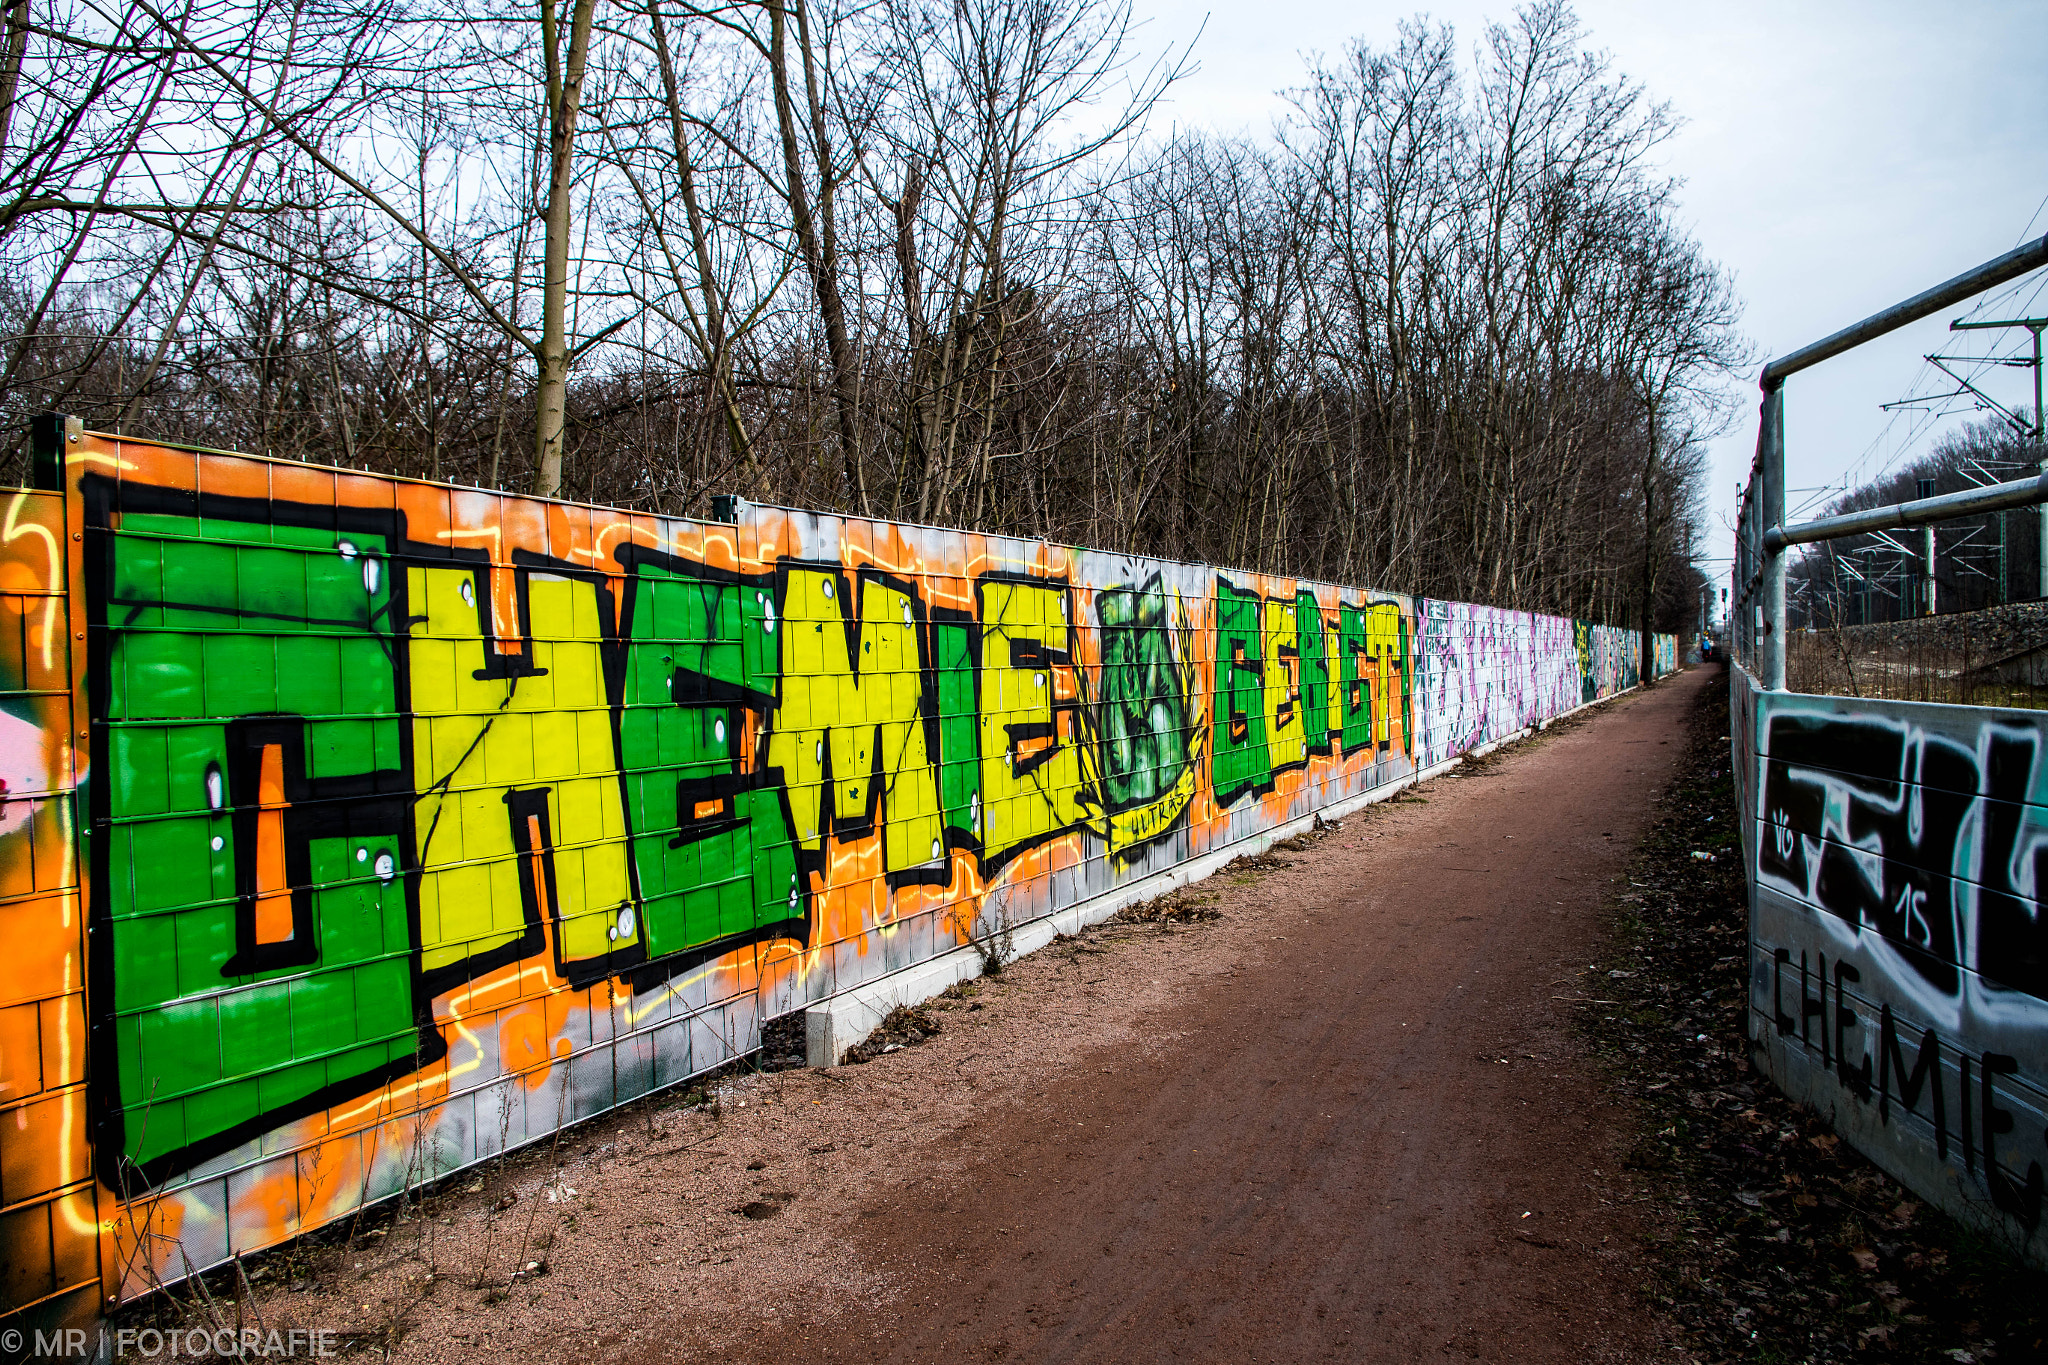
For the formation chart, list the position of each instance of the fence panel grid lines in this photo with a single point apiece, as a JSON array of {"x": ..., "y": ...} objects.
[{"x": 358, "y": 829}]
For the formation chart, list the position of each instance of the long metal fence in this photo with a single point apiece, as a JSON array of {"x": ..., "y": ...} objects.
[
  {"x": 1757, "y": 617},
  {"x": 1896, "y": 861},
  {"x": 359, "y": 829}
]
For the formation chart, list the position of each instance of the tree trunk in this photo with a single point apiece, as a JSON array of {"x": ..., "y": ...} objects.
[
  {"x": 1649, "y": 586},
  {"x": 11, "y": 50},
  {"x": 820, "y": 249},
  {"x": 717, "y": 345},
  {"x": 565, "y": 96}
]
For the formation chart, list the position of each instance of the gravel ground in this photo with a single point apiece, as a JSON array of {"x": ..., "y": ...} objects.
[
  {"x": 745, "y": 1217},
  {"x": 1990, "y": 633},
  {"x": 737, "y": 1199}
]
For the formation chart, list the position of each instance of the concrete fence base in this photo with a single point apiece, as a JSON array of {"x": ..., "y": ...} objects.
[{"x": 842, "y": 1021}]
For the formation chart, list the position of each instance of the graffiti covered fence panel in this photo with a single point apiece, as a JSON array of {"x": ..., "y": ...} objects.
[
  {"x": 358, "y": 829},
  {"x": 50, "y": 1241},
  {"x": 1898, "y": 863}
]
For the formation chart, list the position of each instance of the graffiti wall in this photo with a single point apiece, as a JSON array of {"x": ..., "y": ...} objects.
[
  {"x": 359, "y": 829},
  {"x": 1899, "y": 953},
  {"x": 1485, "y": 673},
  {"x": 51, "y": 1243},
  {"x": 1664, "y": 655}
]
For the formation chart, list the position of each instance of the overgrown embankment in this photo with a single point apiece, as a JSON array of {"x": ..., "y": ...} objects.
[
  {"x": 1776, "y": 1241},
  {"x": 1952, "y": 658}
]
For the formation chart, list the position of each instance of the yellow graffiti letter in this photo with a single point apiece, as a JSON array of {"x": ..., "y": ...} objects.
[
  {"x": 1030, "y": 762},
  {"x": 1286, "y": 745},
  {"x": 859, "y": 700}
]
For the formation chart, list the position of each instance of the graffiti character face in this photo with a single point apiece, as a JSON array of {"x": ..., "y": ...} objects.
[{"x": 1143, "y": 727}]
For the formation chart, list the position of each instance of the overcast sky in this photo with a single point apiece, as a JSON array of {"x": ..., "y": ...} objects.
[{"x": 1837, "y": 158}]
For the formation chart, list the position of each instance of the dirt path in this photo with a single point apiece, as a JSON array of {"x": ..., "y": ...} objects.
[
  {"x": 1376, "y": 1141},
  {"x": 1346, "y": 1120}
]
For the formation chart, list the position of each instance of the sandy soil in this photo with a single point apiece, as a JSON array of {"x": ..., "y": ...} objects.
[{"x": 1346, "y": 1120}]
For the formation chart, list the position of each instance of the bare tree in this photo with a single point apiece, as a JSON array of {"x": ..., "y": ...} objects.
[{"x": 917, "y": 259}]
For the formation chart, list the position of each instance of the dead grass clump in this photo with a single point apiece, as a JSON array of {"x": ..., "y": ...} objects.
[
  {"x": 783, "y": 1042},
  {"x": 1175, "y": 907},
  {"x": 1481, "y": 765},
  {"x": 904, "y": 1026}
]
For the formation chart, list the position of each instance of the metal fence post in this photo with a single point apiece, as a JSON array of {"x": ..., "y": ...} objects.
[
  {"x": 1741, "y": 642},
  {"x": 1741, "y": 615},
  {"x": 1771, "y": 456},
  {"x": 1927, "y": 588},
  {"x": 2041, "y": 449},
  {"x": 1752, "y": 573}
]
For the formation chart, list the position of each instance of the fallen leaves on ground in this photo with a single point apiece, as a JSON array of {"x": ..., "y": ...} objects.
[{"x": 1777, "y": 1241}]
